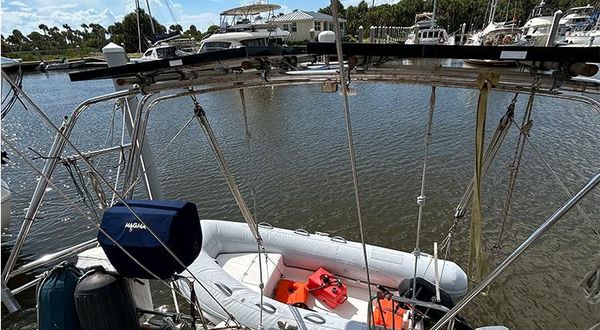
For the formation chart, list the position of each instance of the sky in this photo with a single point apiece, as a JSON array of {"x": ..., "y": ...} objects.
[{"x": 27, "y": 15}]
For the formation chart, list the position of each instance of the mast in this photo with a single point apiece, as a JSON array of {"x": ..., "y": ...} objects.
[
  {"x": 151, "y": 20},
  {"x": 492, "y": 11},
  {"x": 433, "y": 15},
  {"x": 137, "y": 14}
]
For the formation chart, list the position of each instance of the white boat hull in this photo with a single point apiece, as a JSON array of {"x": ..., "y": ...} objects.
[{"x": 296, "y": 254}]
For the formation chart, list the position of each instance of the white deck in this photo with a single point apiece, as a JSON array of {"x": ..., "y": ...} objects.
[{"x": 245, "y": 268}]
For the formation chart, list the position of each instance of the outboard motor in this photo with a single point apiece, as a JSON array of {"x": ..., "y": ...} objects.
[
  {"x": 56, "y": 306},
  {"x": 175, "y": 223},
  {"x": 425, "y": 291},
  {"x": 104, "y": 302}
]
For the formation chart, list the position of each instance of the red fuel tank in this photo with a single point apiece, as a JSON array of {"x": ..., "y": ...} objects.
[{"x": 327, "y": 288}]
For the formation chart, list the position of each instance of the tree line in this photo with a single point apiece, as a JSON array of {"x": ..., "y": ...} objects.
[{"x": 94, "y": 36}]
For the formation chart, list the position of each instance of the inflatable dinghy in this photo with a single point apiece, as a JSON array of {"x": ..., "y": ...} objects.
[{"x": 228, "y": 267}]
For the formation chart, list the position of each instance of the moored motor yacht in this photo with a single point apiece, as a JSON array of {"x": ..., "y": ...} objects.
[
  {"x": 243, "y": 26},
  {"x": 584, "y": 37}
]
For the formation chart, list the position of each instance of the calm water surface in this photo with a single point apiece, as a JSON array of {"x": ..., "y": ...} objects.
[{"x": 296, "y": 162}]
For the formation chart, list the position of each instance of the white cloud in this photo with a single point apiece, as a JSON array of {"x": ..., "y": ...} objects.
[
  {"x": 64, "y": 6},
  {"x": 17, "y": 4},
  {"x": 27, "y": 22},
  {"x": 201, "y": 21},
  {"x": 27, "y": 15}
]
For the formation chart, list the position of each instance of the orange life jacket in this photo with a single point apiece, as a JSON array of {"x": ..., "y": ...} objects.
[
  {"x": 383, "y": 313},
  {"x": 291, "y": 293}
]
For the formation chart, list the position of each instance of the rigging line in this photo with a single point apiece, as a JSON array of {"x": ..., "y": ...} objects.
[
  {"x": 563, "y": 186},
  {"x": 171, "y": 11},
  {"x": 121, "y": 156},
  {"x": 491, "y": 151},
  {"x": 76, "y": 183},
  {"x": 525, "y": 127},
  {"x": 421, "y": 197},
  {"x": 74, "y": 205},
  {"x": 344, "y": 86},
  {"x": 10, "y": 91},
  {"x": 121, "y": 198},
  {"x": 160, "y": 153},
  {"x": 229, "y": 179},
  {"x": 248, "y": 152},
  {"x": 261, "y": 284},
  {"x": 200, "y": 115},
  {"x": 259, "y": 244},
  {"x": 14, "y": 95},
  {"x": 85, "y": 189},
  {"x": 110, "y": 135}
]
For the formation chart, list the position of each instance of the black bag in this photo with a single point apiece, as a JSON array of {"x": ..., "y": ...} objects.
[{"x": 176, "y": 223}]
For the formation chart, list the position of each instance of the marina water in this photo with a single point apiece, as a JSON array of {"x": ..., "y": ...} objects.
[{"x": 294, "y": 172}]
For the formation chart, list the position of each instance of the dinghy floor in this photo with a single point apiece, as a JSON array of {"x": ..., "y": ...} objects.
[{"x": 245, "y": 268}]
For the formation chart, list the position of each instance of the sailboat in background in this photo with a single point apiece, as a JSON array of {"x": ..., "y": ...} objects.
[{"x": 162, "y": 45}]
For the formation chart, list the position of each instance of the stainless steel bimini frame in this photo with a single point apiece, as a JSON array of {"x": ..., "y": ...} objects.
[{"x": 585, "y": 91}]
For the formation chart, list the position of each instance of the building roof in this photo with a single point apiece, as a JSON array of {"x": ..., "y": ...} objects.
[{"x": 300, "y": 15}]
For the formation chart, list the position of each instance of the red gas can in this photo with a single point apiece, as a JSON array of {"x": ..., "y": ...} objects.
[{"x": 327, "y": 288}]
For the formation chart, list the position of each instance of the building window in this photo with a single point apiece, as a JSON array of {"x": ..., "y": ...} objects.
[
  {"x": 317, "y": 26},
  {"x": 286, "y": 27},
  {"x": 294, "y": 27}
]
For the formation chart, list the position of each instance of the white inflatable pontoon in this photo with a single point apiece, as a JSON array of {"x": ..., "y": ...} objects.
[{"x": 228, "y": 267}]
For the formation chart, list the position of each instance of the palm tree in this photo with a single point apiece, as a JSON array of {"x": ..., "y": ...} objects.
[
  {"x": 44, "y": 28},
  {"x": 68, "y": 33}
]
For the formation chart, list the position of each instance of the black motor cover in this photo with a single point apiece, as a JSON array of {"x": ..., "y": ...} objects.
[
  {"x": 176, "y": 223},
  {"x": 104, "y": 302},
  {"x": 425, "y": 291}
]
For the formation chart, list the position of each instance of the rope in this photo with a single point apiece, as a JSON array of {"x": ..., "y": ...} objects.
[
  {"x": 111, "y": 131},
  {"x": 524, "y": 129},
  {"x": 85, "y": 189},
  {"x": 490, "y": 153},
  {"x": 12, "y": 96},
  {"x": 260, "y": 247},
  {"x": 261, "y": 284},
  {"x": 121, "y": 154},
  {"x": 338, "y": 44},
  {"x": 421, "y": 197}
]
